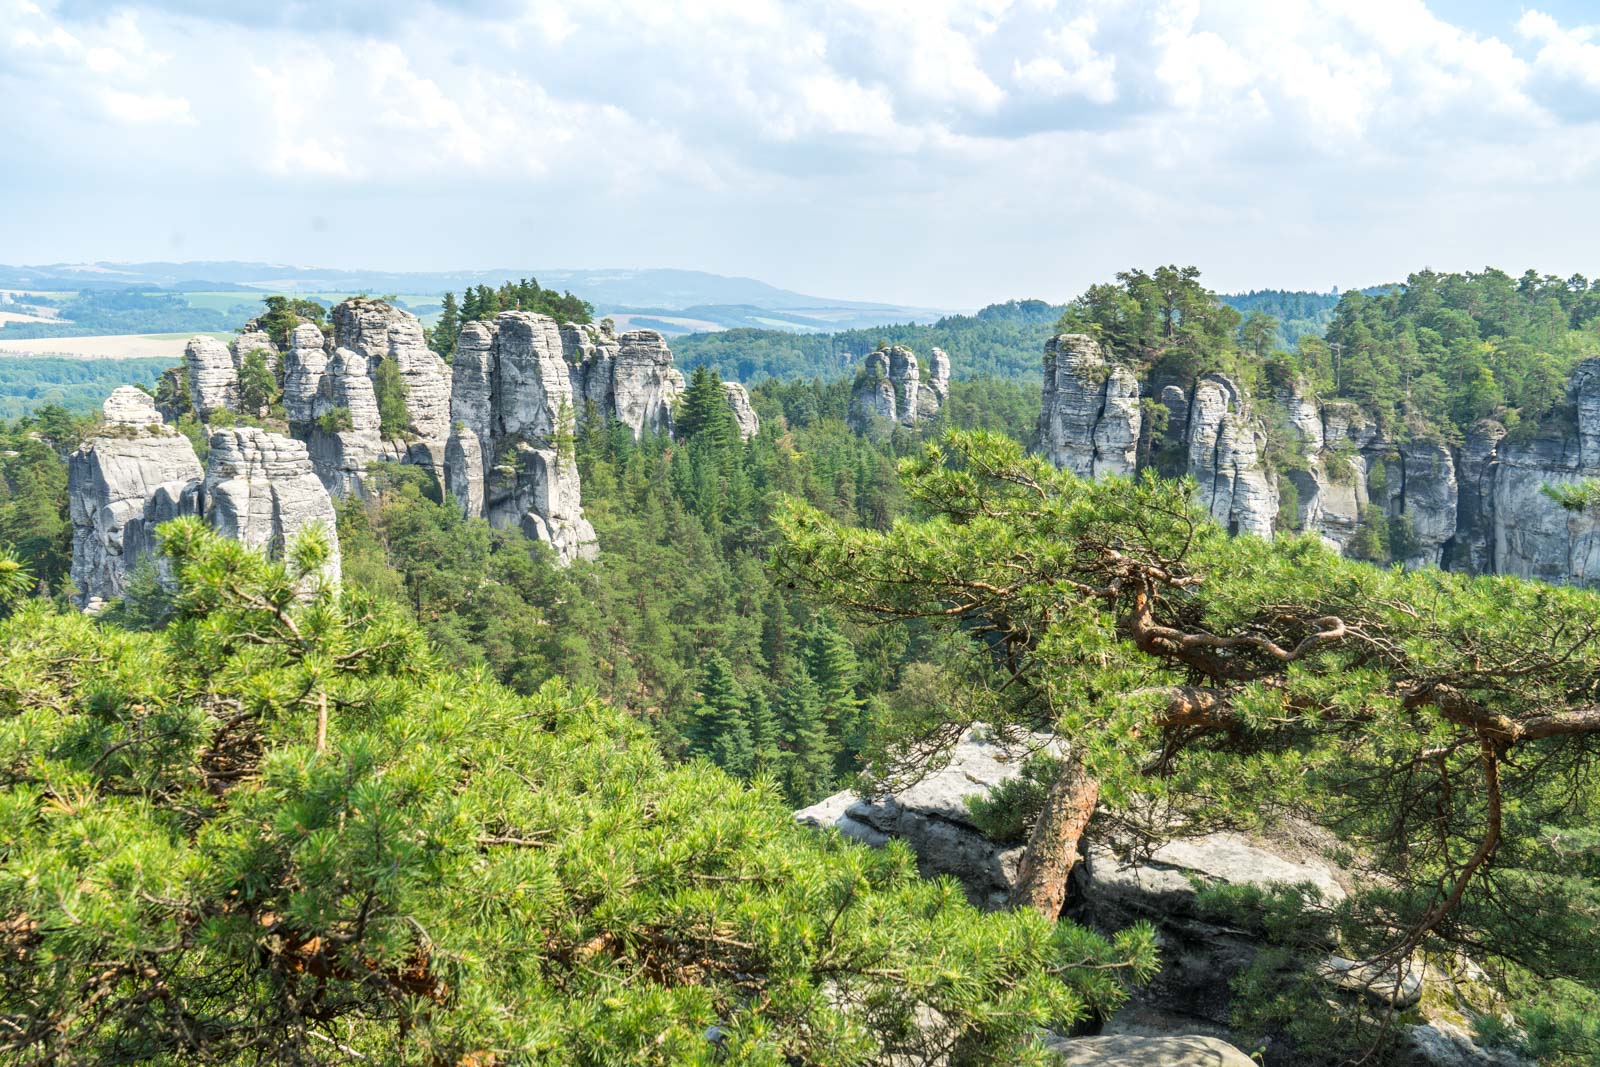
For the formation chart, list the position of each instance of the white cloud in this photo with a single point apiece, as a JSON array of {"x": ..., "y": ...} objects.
[{"x": 773, "y": 121}]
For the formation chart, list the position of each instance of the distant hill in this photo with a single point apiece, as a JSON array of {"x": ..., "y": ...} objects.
[{"x": 715, "y": 300}]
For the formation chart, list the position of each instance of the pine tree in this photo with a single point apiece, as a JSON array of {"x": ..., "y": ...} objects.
[
  {"x": 703, "y": 413},
  {"x": 720, "y": 725},
  {"x": 809, "y": 747},
  {"x": 448, "y": 328}
]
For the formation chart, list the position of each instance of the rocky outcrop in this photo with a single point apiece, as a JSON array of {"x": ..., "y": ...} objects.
[
  {"x": 135, "y": 473},
  {"x": 1089, "y": 423},
  {"x": 304, "y": 364},
  {"x": 1186, "y": 1010},
  {"x": 261, "y": 490},
  {"x": 744, "y": 415},
  {"x": 509, "y": 455},
  {"x": 213, "y": 379},
  {"x": 1225, "y": 458},
  {"x": 384, "y": 334},
  {"x": 1478, "y": 505},
  {"x": 935, "y": 390},
  {"x": 890, "y": 390},
  {"x": 644, "y": 383}
]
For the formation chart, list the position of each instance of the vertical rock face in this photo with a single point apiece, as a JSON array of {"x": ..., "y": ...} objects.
[
  {"x": 1480, "y": 506},
  {"x": 509, "y": 456},
  {"x": 936, "y": 389},
  {"x": 303, "y": 367},
  {"x": 213, "y": 380},
  {"x": 112, "y": 480},
  {"x": 644, "y": 383},
  {"x": 890, "y": 389},
  {"x": 906, "y": 378},
  {"x": 873, "y": 402},
  {"x": 379, "y": 331},
  {"x": 1225, "y": 458},
  {"x": 342, "y": 438},
  {"x": 1472, "y": 549},
  {"x": 744, "y": 415},
  {"x": 1089, "y": 423},
  {"x": 261, "y": 490}
]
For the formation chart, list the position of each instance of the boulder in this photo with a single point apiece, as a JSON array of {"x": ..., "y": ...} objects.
[{"x": 304, "y": 364}]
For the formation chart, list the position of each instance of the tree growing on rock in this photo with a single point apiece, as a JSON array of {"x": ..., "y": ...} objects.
[{"x": 1445, "y": 726}]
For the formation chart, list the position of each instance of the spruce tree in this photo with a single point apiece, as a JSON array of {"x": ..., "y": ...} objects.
[
  {"x": 721, "y": 727},
  {"x": 809, "y": 747}
]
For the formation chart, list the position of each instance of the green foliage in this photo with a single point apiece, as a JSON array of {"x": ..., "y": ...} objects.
[
  {"x": 336, "y": 420},
  {"x": 394, "y": 418},
  {"x": 1008, "y": 811},
  {"x": 1578, "y": 496},
  {"x": 1448, "y": 349},
  {"x": 1441, "y": 726},
  {"x": 1164, "y": 319},
  {"x": 284, "y": 313},
  {"x": 93, "y": 312},
  {"x": 277, "y": 830},
  {"x": 258, "y": 389},
  {"x": 28, "y": 383},
  {"x": 1003, "y": 341},
  {"x": 34, "y": 517}
]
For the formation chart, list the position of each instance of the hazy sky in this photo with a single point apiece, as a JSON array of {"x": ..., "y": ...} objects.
[{"x": 935, "y": 152}]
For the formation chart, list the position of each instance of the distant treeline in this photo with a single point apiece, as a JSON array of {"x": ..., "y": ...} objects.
[
  {"x": 28, "y": 383},
  {"x": 117, "y": 311}
]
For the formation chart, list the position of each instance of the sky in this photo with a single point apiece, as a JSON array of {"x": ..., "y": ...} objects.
[{"x": 942, "y": 153}]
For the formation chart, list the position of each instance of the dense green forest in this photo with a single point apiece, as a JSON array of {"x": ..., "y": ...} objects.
[
  {"x": 524, "y": 813},
  {"x": 1428, "y": 357},
  {"x": 81, "y": 385},
  {"x": 116, "y": 311}
]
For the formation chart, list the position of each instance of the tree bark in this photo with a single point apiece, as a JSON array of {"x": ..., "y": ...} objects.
[{"x": 1052, "y": 849}]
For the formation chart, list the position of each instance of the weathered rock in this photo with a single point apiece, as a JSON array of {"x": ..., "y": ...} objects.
[
  {"x": 261, "y": 490},
  {"x": 644, "y": 384},
  {"x": 213, "y": 381},
  {"x": 744, "y": 415},
  {"x": 379, "y": 331},
  {"x": 112, "y": 479},
  {"x": 1089, "y": 422},
  {"x": 303, "y": 367},
  {"x": 128, "y": 405},
  {"x": 1125, "y": 1050},
  {"x": 1428, "y": 498},
  {"x": 936, "y": 387},
  {"x": 1386, "y": 983},
  {"x": 342, "y": 437},
  {"x": 1225, "y": 458},
  {"x": 932, "y": 816},
  {"x": 890, "y": 389},
  {"x": 873, "y": 404},
  {"x": 1477, "y": 464},
  {"x": 509, "y": 455}
]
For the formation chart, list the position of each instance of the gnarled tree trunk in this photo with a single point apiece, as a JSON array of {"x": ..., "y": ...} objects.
[{"x": 1053, "y": 847}]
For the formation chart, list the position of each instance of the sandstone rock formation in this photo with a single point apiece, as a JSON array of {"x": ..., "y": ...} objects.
[
  {"x": 137, "y": 473},
  {"x": 1478, "y": 506},
  {"x": 255, "y": 339},
  {"x": 1189, "y": 1000},
  {"x": 509, "y": 456},
  {"x": 890, "y": 389},
  {"x": 213, "y": 379},
  {"x": 114, "y": 480},
  {"x": 261, "y": 490},
  {"x": 1089, "y": 423},
  {"x": 744, "y": 415},
  {"x": 1225, "y": 458},
  {"x": 380, "y": 332}
]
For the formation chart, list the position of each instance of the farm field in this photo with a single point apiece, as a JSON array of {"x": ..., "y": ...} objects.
[{"x": 115, "y": 346}]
